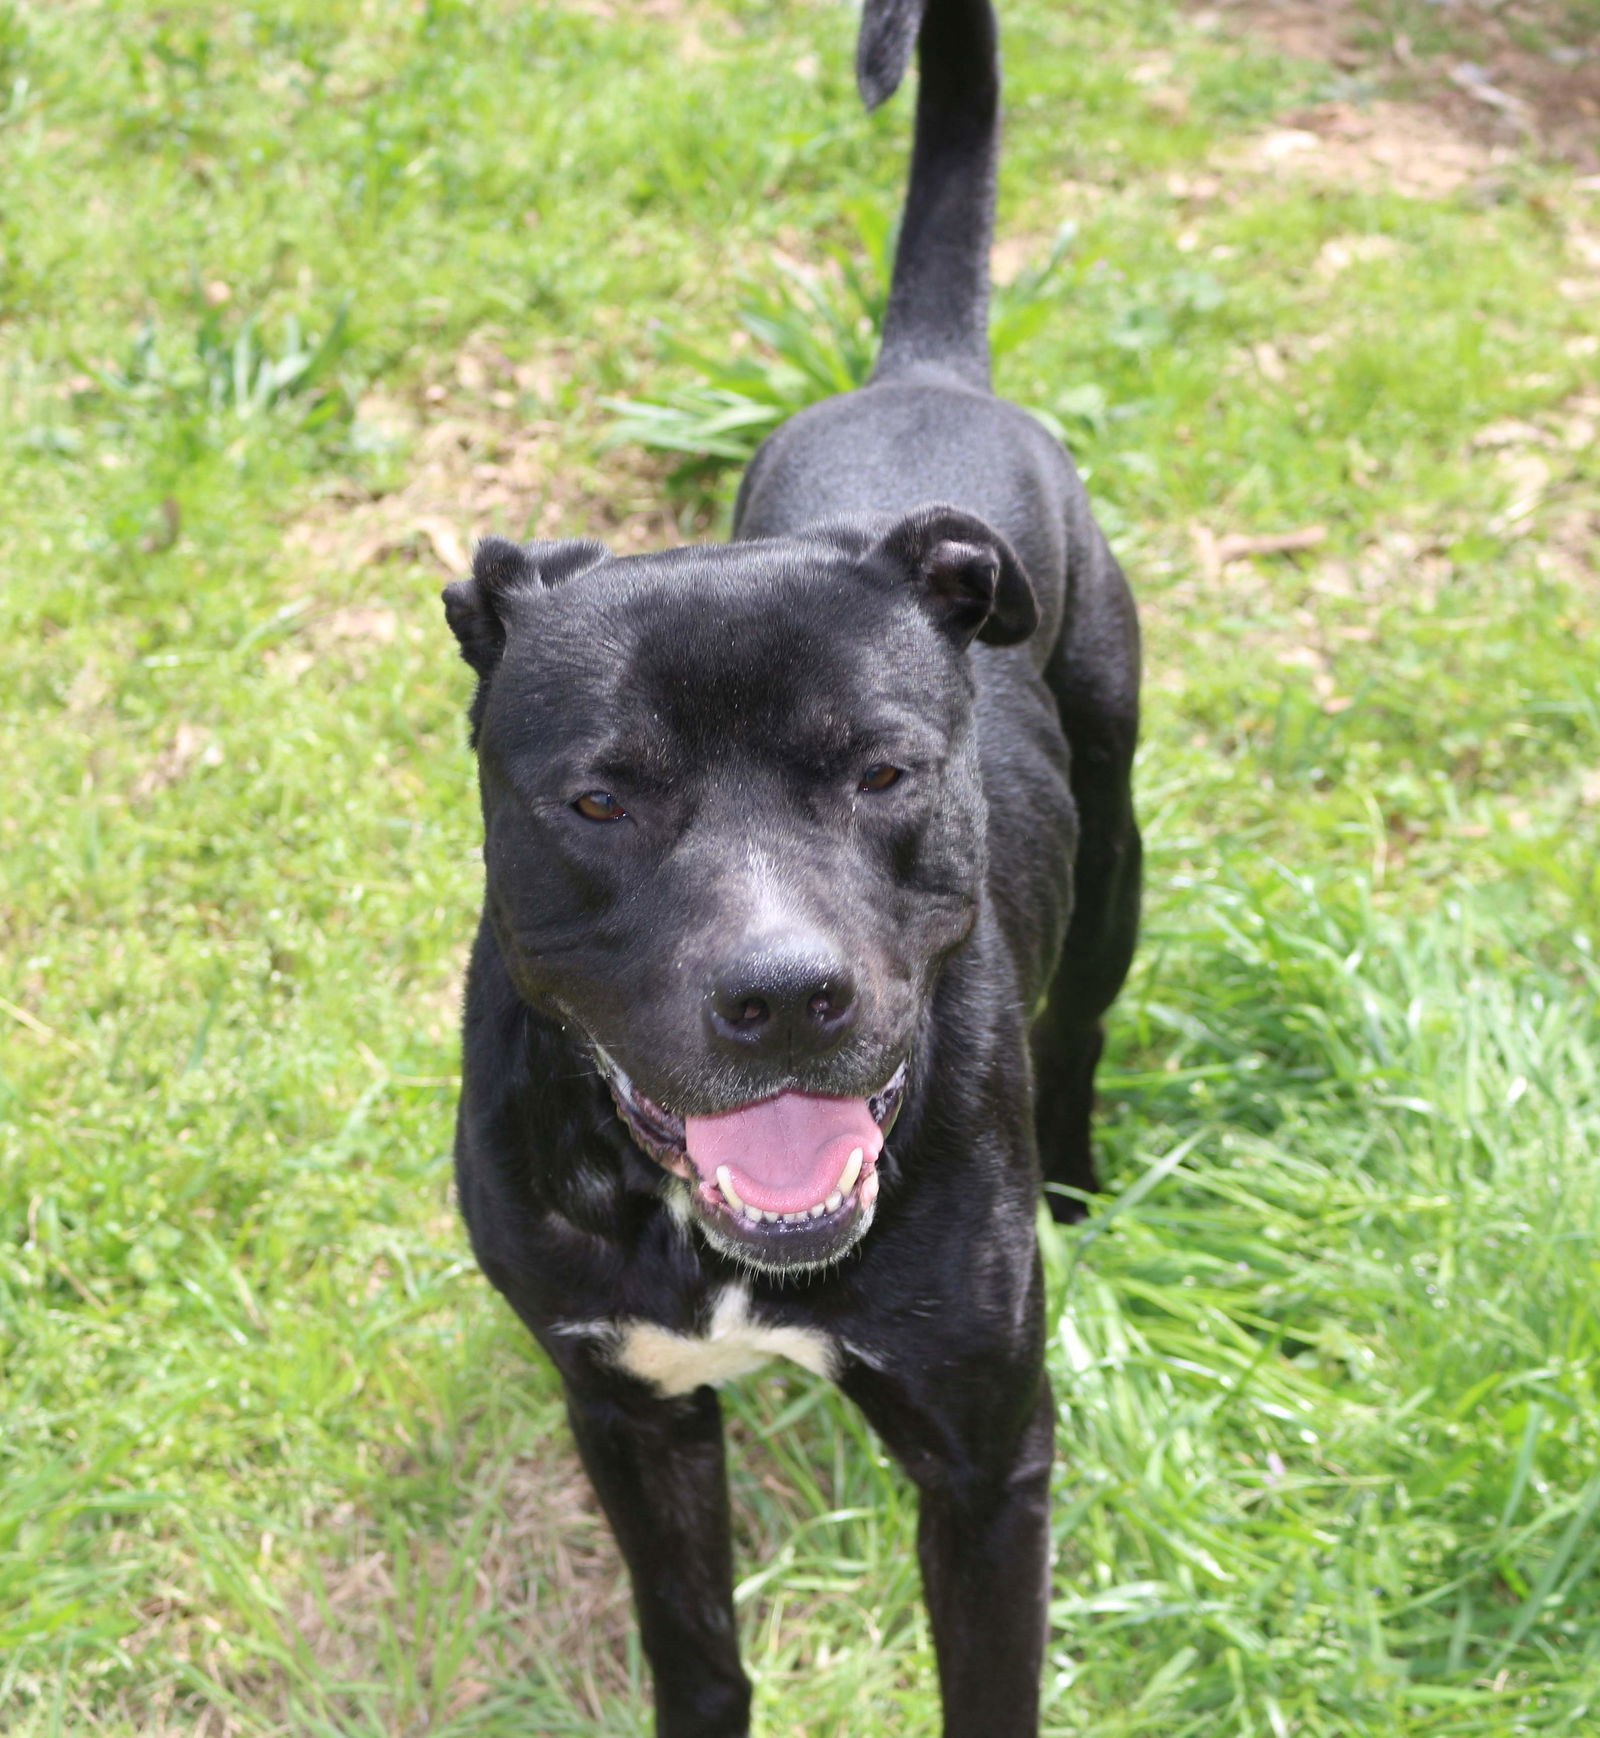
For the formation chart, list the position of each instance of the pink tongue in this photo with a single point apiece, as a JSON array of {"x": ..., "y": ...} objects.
[{"x": 786, "y": 1153}]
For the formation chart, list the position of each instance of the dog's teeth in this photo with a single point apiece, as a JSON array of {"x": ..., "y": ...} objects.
[
  {"x": 820, "y": 1208},
  {"x": 852, "y": 1170},
  {"x": 725, "y": 1184},
  {"x": 753, "y": 1214},
  {"x": 834, "y": 1202},
  {"x": 793, "y": 1218},
  {"x": 869, "y": 1189}
]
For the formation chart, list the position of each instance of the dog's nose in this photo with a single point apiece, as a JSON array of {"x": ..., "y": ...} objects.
[{"x": 793, "y": 997}]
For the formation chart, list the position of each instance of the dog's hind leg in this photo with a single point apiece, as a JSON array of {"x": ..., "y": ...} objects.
[
  {"x": 1093, "y": 673},
  {"x": 658, "y": 1468}
]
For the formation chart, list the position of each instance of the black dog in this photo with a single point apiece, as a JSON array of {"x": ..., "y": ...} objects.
[{"x": 791, "y": 845}]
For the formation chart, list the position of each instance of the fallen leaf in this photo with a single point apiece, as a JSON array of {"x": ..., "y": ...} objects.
[
  {"x": 1342, "y": 251},
  {"x": 1510, "y": 432},
  {"x": 191, "y": 744},
  {"x": 289, "y": 662},
  {"x": 164, "y": 535},
  {"x": 1529, "y": 477},
  {"x": 1288, "y": 142},
  {"x": 1269, "y": 359},
  {"x": 446, "y": 542}
]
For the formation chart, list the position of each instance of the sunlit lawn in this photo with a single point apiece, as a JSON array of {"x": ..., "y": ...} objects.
[{"x": 295, "y": 301}]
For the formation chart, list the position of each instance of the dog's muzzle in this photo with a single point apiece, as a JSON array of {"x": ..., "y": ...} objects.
[{"x": 799, "y": 1207}]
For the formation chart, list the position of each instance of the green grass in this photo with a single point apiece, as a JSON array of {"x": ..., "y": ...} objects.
[{"x": 295, "y": 299}]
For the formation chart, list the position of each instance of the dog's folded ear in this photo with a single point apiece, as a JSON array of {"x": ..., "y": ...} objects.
[
  {"x": 970, "y": 577},
  {"x": 505, "y": 574},
  {"x": 477, "y": 608}
]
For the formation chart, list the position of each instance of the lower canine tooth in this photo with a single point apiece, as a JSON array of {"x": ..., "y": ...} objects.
[
  {"x": 833, "y": 1203},
  {"x": 852, "y": 1170},
  {"x": 725, "y": 1184}
]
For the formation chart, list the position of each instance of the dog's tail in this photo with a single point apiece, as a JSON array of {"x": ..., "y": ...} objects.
[{"x": 939, "y": 296}]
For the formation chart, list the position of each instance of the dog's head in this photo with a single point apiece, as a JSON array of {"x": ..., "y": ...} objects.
[{"x": 733, "y": 826}]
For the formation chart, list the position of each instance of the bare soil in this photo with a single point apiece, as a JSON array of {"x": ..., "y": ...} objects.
[{"x": 1516, "y": 72}]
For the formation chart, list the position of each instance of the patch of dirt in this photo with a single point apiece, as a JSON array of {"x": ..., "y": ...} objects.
[
  {"x": 1012, "y": 255},
  {"x": 483, "y": 459},
  {"x": 1385, "y": 146},
  {"x": 536, "y": 1591},
  {"x": 668, "y": 11},
  {"x": 347, "y": 635},
  {"x": 1307, "y": 29},
  {"x": 360, "y": 622},
  {"x": 546, "y": 1563},
  {"x": 1278, "y": 595},
  {"x": 1491, "y": 85}
]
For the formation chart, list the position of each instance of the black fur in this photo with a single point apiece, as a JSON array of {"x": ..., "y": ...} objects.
[
  {"x": 914, "y": 581},
  {"x": 888, "y": 34}
]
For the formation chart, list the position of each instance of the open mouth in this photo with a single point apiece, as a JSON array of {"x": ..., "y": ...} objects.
[{"x": 786, "y": 1182}]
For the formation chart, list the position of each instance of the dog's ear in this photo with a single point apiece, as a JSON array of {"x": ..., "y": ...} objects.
[
  {"x": 503, "y": 574},
  {"x": 970, "y": 577},
  {"x": 477, "y": 608}
]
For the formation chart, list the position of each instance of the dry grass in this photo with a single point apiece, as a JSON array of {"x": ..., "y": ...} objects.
[{"x": 489, "y": 444}]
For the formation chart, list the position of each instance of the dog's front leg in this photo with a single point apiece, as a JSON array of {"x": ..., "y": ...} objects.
[
  {"x": 658, "y": 1468},
  {"x": 983, "y": 1538}
]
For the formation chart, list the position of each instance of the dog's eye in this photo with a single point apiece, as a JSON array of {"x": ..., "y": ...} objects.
[
  {"x": 879, "y": 777},
  {"x": 599, "y": 806}
]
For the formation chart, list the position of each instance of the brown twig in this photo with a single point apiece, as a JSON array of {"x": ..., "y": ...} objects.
[{"x": 1215, "y": 554}]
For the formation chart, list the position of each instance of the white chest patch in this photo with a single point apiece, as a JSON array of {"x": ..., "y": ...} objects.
[{"x": 736, "y": 1343}]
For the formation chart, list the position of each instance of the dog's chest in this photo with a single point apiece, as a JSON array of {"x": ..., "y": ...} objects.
[{"x": 736, "y": 1342}]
